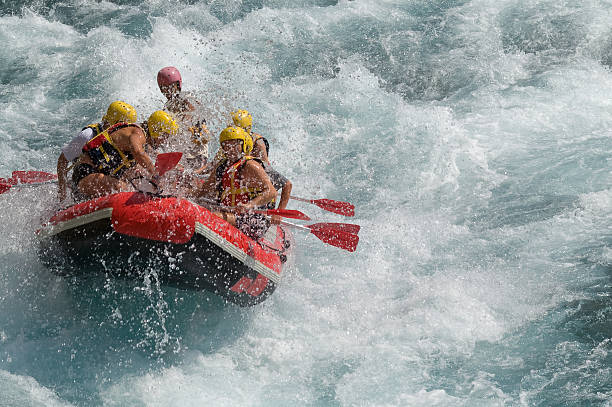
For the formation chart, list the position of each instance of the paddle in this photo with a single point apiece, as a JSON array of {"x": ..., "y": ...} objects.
[
  {"x": 339, "y": 207},
  {"x": 26, "y": 178},
  {"x": 285, "y": 213},
  {"x": 332, "y": 233},
  {"x": 29, "y": 177},
  {"x": 164, "y": 163},
  {"x": 167, "y": 161},
  {"x": 344, "y": 227}
]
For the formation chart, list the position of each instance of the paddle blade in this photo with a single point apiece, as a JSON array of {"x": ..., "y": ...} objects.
[
  {"x": 339, "y": 207},
  {"x": 31, "y": 177},
  {"x": 167, "y": 161},
  {"x": 337, "y": 238},
  {"x": 4, "y": 187},
  {"x": 287, "y": 213},
  {"x": 343, "y": 227}
]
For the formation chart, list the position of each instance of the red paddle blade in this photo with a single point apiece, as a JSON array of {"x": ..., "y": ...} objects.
[
  {"x": 4, "y": 187},
  {"x": 339, "y": 207},
  {"x": 287, "y": 213},
  {"x": 31, "y": 177},
  {"x": 337, "y": 238},
  {"x": 343, "y": 227},
  {"x": 167, "y": 161}
]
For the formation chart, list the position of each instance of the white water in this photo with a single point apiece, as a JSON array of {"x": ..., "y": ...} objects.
[{"x": 473, "y": 136}]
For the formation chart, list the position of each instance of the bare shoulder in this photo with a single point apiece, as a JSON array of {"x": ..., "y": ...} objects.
[
  {"x": 129, "y": 136},
  {"x": 254, "y": 167},
  {"x": 253, "y": 164},
  {"x": 135, "y": 131}
]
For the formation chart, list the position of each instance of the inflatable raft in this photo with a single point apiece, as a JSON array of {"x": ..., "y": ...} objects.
[{"x": 185, "y": 244}]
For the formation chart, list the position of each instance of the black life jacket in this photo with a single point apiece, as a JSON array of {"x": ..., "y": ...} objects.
[{"x": 107, "y": 158}]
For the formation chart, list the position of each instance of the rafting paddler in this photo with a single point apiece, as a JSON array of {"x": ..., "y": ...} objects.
[
  {"x": 261, "y": 148},
  {"x": 106, "y": 157},
  {"x": 117, "y": 111},
  {"x": 194, "y": 135},
  {"x": 244, "y": 184}
]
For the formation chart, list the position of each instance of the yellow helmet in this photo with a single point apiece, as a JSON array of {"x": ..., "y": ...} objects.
[
  {"x": 119, "y": 111},
  {"x": 243, "y": 119},
  {"x": 237, "y": 133},
  {"x": 160, "y": 123}
]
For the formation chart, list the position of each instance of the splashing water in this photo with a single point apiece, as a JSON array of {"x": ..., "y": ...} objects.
[{"x": 472, "y": 136}]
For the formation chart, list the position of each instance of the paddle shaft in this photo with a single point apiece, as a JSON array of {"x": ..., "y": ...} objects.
[
  {"x": 33, "y": 184},
  {"x": 295, "y": 225},
  {"x": 287, "y": 213},
  {"x": 301, "y": 199}
]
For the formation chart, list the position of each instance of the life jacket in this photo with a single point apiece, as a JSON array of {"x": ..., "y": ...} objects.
[
  {"x": 231, "y": 192},
  {"x": 96, "y": 127},
  {"x": 106, "y": 157}
]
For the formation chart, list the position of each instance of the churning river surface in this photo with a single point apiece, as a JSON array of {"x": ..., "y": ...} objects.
[{"x": 473, "y": 136}]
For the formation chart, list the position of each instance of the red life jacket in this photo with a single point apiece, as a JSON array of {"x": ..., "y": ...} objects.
[
  {"x": 232, "y": 192},
  {"x": 106, "y": 157}
]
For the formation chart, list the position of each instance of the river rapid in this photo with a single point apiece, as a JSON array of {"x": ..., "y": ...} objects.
[{"x": 474, "y": 138}]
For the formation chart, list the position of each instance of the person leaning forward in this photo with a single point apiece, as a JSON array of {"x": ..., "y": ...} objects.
[
  {"x": 261, "y": 149},
  {"x": 106, "y": 157},
  {"x": 244, "y": 185},
  {"x": 117, "y": 111}
]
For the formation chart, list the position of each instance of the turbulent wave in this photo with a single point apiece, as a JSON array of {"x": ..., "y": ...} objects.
[{"x": 473, "y": 137}]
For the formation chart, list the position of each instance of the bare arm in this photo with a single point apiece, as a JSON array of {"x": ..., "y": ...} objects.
[
  {"x": 285, "y": 193},
  {"x": 187, "y": 106},
  {"x": 261, "y": 152},
  {"x": 255, "y": 175},
  {"x": 137, "y": 144},
  {"x": 284, "y": 199}
]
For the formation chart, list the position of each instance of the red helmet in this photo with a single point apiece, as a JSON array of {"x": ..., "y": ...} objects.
[{"x": 168, "y": 76}]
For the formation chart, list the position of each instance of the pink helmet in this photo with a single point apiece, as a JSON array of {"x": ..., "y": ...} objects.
[{"x": 168, "y": 76}]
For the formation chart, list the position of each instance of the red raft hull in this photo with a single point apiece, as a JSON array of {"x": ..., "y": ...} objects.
[{"x": 130, "y": 233}]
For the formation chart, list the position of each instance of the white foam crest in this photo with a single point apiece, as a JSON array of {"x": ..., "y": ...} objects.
[
  {"x": 135, "y": 64},
  {"x": 548, "y": 127},
  {"x": 599, "y": 203},
  {"x": 222, "y": 380},
  {"x": 427, "y": 287},
  {"x": 576, "y": 381},
  {"x": 18, "y": 390},
  {"x": 357, "y": 109},
  {"x": 32, "y": 40},
  {"x": 196, "y": 17}
]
